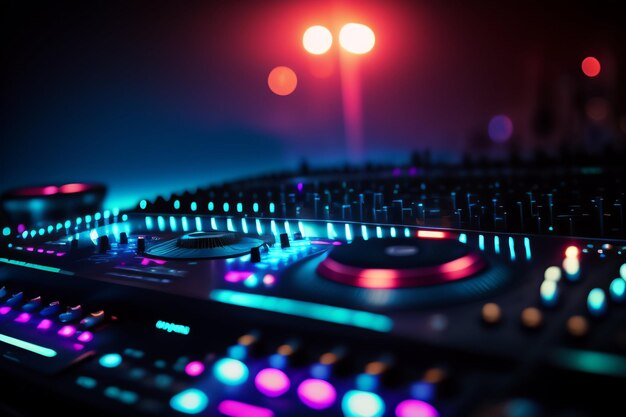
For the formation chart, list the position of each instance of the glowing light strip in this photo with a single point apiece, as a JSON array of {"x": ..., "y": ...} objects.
[
  {"x": 431, "y": 234},
  {"x": 590, "y": 361},
  {"x": 238, "y": 409},
  {"x": 36, "y": 266},
  {"x": 527, "y": 248},
  {"x": 512, "y": 248},
  {"x": 331, "y": 314},
  {"x": 31, "y": 347}
]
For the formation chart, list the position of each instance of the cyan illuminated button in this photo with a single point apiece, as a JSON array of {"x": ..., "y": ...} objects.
[
  {"x": 362, "y": 404},
  {"x": 230, "y": 371},
  {"x": 110, "y": 360},
  {"x": 618, "y": 290},
  {"x": 549, "y": 292},
  {"x": 596, "y": 302},
  {"x": 189, "y": 401}
]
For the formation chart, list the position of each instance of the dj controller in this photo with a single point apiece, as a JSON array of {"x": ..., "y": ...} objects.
[{"x": 410, "y": 291}]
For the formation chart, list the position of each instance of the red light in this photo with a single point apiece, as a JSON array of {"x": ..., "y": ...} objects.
[
  {"x": 572, "y": 252},
  {"x": 282, "y": 81},
  {"x": 431, "y": 234},
  {"x": 73, "y": 188},
  {"x": 591, "y": 66}
]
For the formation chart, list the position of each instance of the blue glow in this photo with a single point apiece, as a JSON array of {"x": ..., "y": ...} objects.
[
  {"x": 549, "y": 292},
  {"x": 184, "y": 224},
  {"x": 617, "y": 290},
  {"x": 226, "y": 207},
  {"x": 42, "y": 231},
  {"x": 596, "y": 302},
  {"x": 367, "y": 382},
  {"x": 198, "y": 224},
  {"x": 149, "y": 223},
  {"x": 239, "y": 207},
  {"x": 213, "y": 223},
  {"x": 143, "y": 204},
  {"x": 116, "y": 212},
  {"x": 173, "y": 224},
  {"x": 25, "y": 234},
  {"x": 259, "y": 228},
  {"x": 211, "y": 206},
  {"x": 176, "y": 204},
  {"x": 348, "y": 232},
  {"x": 161, "y": 223},
  {"x": 463, "y": 238},
  {"x": 238, "y": 352},
  {"x": 622, "y": 271},
  {"x": 407, "y": 232},
  {"x": 301, "y": 229},
  {"x": 362, "y": 404},
  {"x": 339, "y": 315},
  {"x": 273, "y": 227},
  {"x": 172, "y": 327},
  {"x": 97, "y": 216},
  {"x": 512, "y": 248},
  {"x": 88, "y": 218},
  {"x": 255, "y": 207},
  {"x": 364, "y": 232},
  {"x": 527, "y": 248},
  {"x": 278, "y": 361},
  {"x": 31, "y": 347},
  {"x": 244, "y": 226},
  {"x": 79, "y": 220},
  {"x": 107, "y": 214},
  {"x": 481, "y": 242},
  {"x": 379, "y": 232},
  {"x": 423, "y": 391},
  {"x": 67, "y": 224},
  {"x": 50, "y": 229},
  {"x": 287, "y": 228},
  {"x": 252, "y": 281},
  {"x": 392, "y": 231},
  {"x": 272, "y": 207},
  {"x": 496, "y": 244},
  {"x": 591, "y": 362},
  {"x": 229, "y": 225},
  {"x": 193, "y": 206},
  {"x": 189, "y": 401},
  {"x": 330, "y": 231},
  {"x": 320, "y": 371},
  {"x": 33, "y": 233},
  {"x": 110, "y": 360},
  {"x": 230, "y": 371}
]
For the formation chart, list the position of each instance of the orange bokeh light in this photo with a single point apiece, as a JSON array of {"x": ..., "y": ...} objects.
[
  {"x": 317, "y": 40},
  {"x": 282, "y": 81},
  {"x": 357, "y": 38}
]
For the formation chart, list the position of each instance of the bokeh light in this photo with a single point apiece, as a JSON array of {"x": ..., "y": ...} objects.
[
  {"x": 500, "y": 128},
  {"x": 357, "y": 38},
  {"x": 282, "y": 81},
  {"x": 317, "y": 40},
  {"x": 591, "y": 66}
]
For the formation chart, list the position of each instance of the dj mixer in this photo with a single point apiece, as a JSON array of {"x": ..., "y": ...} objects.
[{"x": 408, "y": 291}]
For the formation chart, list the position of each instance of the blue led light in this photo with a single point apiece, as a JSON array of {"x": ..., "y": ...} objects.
[
  {"x": 238, "y": 352},
  {"x": 184, "y": 223},
  {"x": 527, "y": 248},
  {"x": 25, "y": 234},
  {"x": 50, "y": 229},
  {"x": 392, "y": 231},
  {"x": 423, "y": 391},
  {"x": 124, "y": 217},
  {"x": 161, "y": 223},
  {"x": 239, "y": 207},
  {"x": 79, "y": 220},
  {"x": 189, "y": 401},
  {"x": 255, "y": 207},
  {"x": 407, "y": 232},
  {"x": 622, "y": 271},
  {"x": 481, "y": 242},
  {"x": 463, "y": 238},
  {"x": 229, "y": 225},
  {"x": 496, "y": 244},
  {"x": 33, "y": 233},
  {"x": 278, "y": 361},
  {"x": 97, "y": 216},
  {"x": 320, "y": 371},
  {"x": 512, "y": 248},
  {"x": 226, "y": 207},
  {"x": 549, "y": 292},
  {"x": 259, "y": 228},
  {"x": 194, "y": 206},
  {"x": 362, "y": 404},
  {"x": 230, "y": 371},
  {"x": 244, "y": 225},
  {"x": 110, "y": 360},
  {"x": 596, "y": 302},
  {"x": 107, "y": 214},
  {"x": 198, "y": 224},
  {"x": 272, "y": 207},
  {"x": 116, "y": 212},
  {"x": 349, "y": 232},
  {"x": 364, "y": 232},
  {"x": 149, "y": 223},
  {"x": 330, "y": 231},
  {"x": 367, "y": 382},
  {"x": 379, "y": 232},
  {"x": 211, "y": 206},
  {"x": 87, "y": 219},
  {"x": 143, "y": 204},
  {"x": 176, "y": 204},
  {"x": 173, "y": 224},
  {"x": 618, "y": 290},
  {"x": 68, "y": 223},
  {"x": 252, "y": 281}
]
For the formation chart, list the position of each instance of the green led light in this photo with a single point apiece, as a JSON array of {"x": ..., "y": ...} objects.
[
  {"x": 590, "y": 362},
  {"x": 31, "y": 347},
  {"x": 35, "y": 266},
  {"x": 189, "y": 401},
  {"x": 339, "y": 315}
]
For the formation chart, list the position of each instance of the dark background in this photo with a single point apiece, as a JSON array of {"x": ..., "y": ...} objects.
[{"x": 155, "y": 97}]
